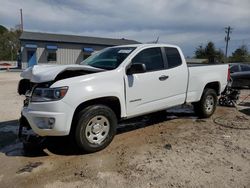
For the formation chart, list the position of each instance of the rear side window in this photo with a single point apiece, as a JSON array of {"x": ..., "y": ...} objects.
[
  {"x": 173, "y": 57},
  {"x": 245, "y": 68},
  {"x": 151, "y": 57}
]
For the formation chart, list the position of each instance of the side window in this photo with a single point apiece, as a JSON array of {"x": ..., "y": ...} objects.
[
  {"x": 151, "y": 57},
  {"x": 173, "y": 57},
  {"x": 245, "y": 68},
  {"x": 234, "y": 68},
  {"x": 51, "y": 55}
]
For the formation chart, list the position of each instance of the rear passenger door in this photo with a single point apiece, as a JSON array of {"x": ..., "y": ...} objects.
[
  {"x": 159, "y": 86},
  {"x": 177, "y": 71}
]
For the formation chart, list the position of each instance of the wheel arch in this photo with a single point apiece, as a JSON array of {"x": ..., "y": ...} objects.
[
  {"x": 110, "y": 101},
  {"x": 213, "y": 85}
]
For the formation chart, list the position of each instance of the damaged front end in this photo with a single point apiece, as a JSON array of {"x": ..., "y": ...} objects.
[
  {"x": 25, "y": 133},
  {"x": 36, "y": 86}
]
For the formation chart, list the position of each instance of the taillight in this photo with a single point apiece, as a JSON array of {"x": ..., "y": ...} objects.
[{"x": 228, "y": 74}]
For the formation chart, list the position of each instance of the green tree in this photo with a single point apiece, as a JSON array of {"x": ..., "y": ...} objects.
[
  {"x": 200, "y": 52},
  {"x": 220, "y": 57},
  {"x": 209, "y": 52},
  {"x": 9, "y": 43},
  {"x": 3, "y": 29},
  {"x": 240, "y": 54}
]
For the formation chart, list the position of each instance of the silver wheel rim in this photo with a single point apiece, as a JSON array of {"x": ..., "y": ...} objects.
[
  {"x": 97, "y": 129},
  {"x": 209, "y": 104}
]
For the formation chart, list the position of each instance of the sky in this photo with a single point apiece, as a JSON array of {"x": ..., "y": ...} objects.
[{"x": 187, "y": 23}]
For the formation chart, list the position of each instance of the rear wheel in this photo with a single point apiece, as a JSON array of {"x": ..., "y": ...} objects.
[
  {"x": 96, "y": 128},
  {"x": 207, "y": 105}
]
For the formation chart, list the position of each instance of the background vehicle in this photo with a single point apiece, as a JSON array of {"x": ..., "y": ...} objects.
[
  {"x": 121, "y": 82},
  {"x": 240, "y": 74},
  {"x": 239, "y": 67}
]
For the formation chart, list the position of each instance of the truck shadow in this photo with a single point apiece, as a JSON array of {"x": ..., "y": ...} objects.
[
  {"x": 9, "y": 142},
  {"x": 245, "y": 111},
  {"x": 151, "y": 119},
  {"x": 12, "y": 146},
  {"x": 245, "y": 108}
]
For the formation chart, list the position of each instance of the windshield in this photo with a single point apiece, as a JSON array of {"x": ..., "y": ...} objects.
[{"x": 109, "y": 58}]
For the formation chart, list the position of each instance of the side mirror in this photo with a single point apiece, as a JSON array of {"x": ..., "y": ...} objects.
[{"x": 136, "y": 68}]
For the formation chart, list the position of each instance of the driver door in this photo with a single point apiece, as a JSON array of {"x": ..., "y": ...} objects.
[{"x": 144, "y": 91}]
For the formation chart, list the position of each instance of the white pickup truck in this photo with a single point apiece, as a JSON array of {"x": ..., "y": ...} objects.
[{"x": 87, "y": 100}]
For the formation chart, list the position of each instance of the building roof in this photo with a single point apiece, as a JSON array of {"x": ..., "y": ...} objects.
[{"x": 49, "y": 37}]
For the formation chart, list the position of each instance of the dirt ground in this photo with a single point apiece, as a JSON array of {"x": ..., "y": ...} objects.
[{"x": 159, "y": 150}]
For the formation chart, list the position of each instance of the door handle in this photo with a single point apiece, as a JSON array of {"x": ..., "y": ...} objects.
[{"x": 163, "y": 77}]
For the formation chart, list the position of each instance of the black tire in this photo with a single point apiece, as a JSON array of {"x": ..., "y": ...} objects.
[
  {"x": 202, "y": 108},
  {"x": 91, "y": 120}
]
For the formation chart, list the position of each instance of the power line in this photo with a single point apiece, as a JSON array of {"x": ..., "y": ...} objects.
[{"x": 228, "y": 30}]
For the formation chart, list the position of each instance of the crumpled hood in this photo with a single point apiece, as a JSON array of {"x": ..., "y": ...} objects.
[{"x": 45, "y": 73}]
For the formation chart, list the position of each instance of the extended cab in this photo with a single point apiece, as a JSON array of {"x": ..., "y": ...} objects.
[{"x": 119, "y": 82}]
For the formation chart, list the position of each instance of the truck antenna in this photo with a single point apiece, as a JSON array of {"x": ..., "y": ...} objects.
[{"x": 157, "y": 40}]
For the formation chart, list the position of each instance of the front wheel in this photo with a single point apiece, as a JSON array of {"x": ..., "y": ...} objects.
[
  {"x": 96, "y": 128},
  {"x": 207, "y": 105}
]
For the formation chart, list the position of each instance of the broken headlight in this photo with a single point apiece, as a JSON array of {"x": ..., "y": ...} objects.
[{"x": 48, "y": 94}]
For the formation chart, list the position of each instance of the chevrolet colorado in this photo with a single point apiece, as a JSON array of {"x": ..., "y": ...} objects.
[{"x": 88, "y": 99}]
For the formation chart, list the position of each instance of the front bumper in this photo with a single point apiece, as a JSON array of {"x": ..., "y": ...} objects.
[{"x": 49, "y": 118}]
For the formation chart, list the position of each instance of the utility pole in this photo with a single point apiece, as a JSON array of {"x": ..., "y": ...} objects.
[
  {"x": 21, "y": 14},
  {"x": 228, "y": 30}
]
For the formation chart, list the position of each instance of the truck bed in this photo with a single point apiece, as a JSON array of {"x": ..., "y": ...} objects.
[
  {"x": 202, "y": 64},
  {"x": 201, "y": 74}
]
